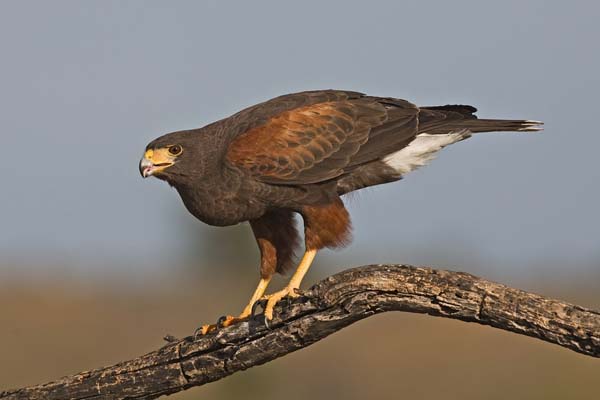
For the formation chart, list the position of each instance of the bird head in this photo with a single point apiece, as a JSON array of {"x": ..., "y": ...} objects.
[
  {"x": 157, "y": 160},
  {"x": 172, "y": 157}
]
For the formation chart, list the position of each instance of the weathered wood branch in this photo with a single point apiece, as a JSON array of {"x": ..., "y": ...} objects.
[{"x": 327, "y": 307}]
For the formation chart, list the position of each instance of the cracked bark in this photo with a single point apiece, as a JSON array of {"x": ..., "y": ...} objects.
[{"x": 327, "y": 307}]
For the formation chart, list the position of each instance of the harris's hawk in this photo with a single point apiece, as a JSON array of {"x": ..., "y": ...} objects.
[{"x": 299, "y": 153}]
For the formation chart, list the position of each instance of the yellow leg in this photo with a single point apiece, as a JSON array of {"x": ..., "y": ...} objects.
[
  {"x": 293, "y": 284},
  {"x": 229, "y": 320},
  {"x": 258, "y": 293}
]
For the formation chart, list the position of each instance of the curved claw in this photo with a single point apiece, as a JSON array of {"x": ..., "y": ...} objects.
[
  {"x": 227, "y": 320},
  {"x": 268, "y": 302},
  {"x": 203, "y": 330},
  {"x": 262, "y": 302},
  {"x": 266, "y": 322},
  {"x": 222, "y": 320},
  {"x": 287, "y": 293},
  {"x": 197, "y": 333}
]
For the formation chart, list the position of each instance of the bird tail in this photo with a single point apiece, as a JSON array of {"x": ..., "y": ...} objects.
[
  {"x": 460, "y": 117},
  {"x": 500, "y": 125}
]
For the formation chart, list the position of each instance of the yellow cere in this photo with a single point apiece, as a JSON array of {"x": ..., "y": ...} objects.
[{"x": 159, "y": 156}]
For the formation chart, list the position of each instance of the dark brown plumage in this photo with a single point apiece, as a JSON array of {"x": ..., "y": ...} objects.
[{"x": 299, "y": 153}]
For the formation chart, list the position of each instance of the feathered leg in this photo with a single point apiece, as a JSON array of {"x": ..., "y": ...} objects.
[
  {"x": 277, "y": 237},
  {"x": 324, "y": 226}
]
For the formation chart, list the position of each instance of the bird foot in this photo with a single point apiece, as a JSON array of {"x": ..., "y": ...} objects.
[
  {"x": 268, "y": 302},
  {"x": 274, "y": 298},
  {"x": 224, "y": 321}
]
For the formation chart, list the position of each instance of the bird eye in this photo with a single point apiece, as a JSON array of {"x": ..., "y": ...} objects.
[{"x": 175, "y": 150}]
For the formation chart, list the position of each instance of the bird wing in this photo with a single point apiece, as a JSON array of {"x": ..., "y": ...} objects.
[{"x": 315, "y": 141}]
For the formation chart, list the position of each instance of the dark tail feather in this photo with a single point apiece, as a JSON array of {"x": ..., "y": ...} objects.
[
  {"x": 454, "y": 117},
  {"x": 498, "y": 125}
]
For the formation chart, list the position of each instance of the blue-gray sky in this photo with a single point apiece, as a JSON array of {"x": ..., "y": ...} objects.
[{"x": 85, "y": 85}]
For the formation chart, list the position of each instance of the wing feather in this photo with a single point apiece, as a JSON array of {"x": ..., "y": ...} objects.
[{"x": 318, "y": 141}]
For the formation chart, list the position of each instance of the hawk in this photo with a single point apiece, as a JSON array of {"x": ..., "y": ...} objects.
[{"x": 298, "y": 154}]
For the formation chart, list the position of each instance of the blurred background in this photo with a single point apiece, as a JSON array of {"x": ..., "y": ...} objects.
[{"x": 97, "y": 265}]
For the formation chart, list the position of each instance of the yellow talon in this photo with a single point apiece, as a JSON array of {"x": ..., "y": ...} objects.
[
  {"x": 228, "y": 319},
  {"x": 205, "y": 329},
  {"x": 293, "y": 285},
  {"x": 274, "y": 298},
  {"x": 222, "y": 323}
]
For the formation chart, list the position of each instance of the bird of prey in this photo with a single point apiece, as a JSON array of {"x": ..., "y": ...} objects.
[{"x": 298, "y": 154}]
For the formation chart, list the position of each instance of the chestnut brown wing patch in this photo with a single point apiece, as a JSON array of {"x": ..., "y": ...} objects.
[{"x": 313, "y": 143}]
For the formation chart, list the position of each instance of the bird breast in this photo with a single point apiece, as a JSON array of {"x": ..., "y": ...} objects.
[{"x": 220, "y": 203}]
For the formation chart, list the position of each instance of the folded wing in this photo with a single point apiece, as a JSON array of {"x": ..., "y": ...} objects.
[{"x": 315, "y": 141}]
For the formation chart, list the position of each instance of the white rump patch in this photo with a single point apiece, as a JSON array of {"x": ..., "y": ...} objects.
[{"x": 422, "y": 150}]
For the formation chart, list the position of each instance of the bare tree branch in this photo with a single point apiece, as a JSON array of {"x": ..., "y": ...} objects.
[{"x": 329, "y": 306}]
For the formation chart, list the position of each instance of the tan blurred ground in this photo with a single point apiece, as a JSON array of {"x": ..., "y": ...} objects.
[{"x": 52, "y": 329}]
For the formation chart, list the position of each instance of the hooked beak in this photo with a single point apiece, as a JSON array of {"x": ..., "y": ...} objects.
[
  {"x": 154, "y": 161},
  {"x": 146, "y": 167}
]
